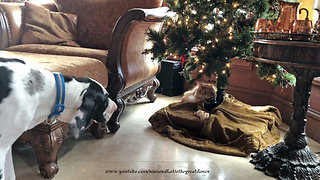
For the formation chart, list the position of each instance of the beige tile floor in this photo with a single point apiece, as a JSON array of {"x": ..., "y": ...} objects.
[{"x": 137, "y": 147}]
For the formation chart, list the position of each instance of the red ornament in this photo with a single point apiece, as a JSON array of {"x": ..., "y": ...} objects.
[{"x": 183, "y": 58}]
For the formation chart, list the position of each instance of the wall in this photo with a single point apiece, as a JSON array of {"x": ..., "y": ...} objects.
[
  {"x": 313, "y": 14},
  {"x": 247, "y": 87}
]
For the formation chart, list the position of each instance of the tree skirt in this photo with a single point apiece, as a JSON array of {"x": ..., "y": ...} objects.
[{"x": 233, "y": 128}]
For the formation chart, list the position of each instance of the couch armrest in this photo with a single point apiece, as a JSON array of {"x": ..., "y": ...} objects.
[
  {"x": 126, "y": 62},
  {"x": 4, "y": 30},
  {"x": 11, "y": 19},
  {"x": 10, "y": 23}
]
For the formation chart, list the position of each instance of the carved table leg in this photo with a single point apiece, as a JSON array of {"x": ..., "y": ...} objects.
[
  {"x": 151, "y": 94},
  {"x": 293, "y": 159},
  {"x": 46, "y": 142}
]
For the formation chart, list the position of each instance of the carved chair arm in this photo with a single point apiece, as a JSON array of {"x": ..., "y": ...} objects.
[
  {"x": 129, "y": 39},
  {"x": 152, "y": 15}
]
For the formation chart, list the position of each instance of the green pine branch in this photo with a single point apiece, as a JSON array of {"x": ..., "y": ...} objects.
[{"x": 211, "y": 32}]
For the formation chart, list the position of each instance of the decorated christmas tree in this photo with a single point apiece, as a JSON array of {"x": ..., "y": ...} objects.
[{"x": 207, "y": 34}]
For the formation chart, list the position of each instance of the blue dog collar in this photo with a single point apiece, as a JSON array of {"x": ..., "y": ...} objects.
[{"x": 59, "y": 107}]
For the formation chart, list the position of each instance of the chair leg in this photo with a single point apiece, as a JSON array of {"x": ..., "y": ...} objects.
[
  {"x": 113, "y": 124},
  {"x": 98, "y": 130},
  {"x": 151, "y": 94},
  {"x": 46, "y": 144}
]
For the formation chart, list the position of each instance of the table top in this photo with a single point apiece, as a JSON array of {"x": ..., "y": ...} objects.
[{"x": 289, "y": 53}]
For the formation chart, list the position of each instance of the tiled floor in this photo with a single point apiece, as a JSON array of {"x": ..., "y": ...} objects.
[{"x": 137, "y": 147}]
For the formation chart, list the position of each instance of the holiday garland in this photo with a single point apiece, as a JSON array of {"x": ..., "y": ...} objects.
[{"x": 208, "y": 33}]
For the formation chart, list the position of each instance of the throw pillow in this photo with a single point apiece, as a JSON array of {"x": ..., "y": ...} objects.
[{"x": 42, "y": 26}]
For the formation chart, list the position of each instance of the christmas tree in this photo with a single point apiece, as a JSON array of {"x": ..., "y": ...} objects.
[{"x": 206, "y": 34}]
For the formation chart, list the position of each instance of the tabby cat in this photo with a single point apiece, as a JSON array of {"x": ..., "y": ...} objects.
[{"x": 201, "y": 92}]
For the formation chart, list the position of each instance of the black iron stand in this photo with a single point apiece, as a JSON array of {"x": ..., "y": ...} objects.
[{"x": 293, "y": 159}]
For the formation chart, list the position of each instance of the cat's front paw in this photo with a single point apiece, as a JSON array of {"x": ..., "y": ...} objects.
[{"x": 202, "y": 115}]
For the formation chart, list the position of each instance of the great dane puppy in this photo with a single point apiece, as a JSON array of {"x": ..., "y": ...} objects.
[{"x": 28, "y": 96}]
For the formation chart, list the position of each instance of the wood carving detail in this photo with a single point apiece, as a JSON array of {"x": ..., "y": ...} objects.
[
  {"x": 98, "y": 130},
  {"x": 46, "y": 146},
  {"x": 151, "y": 94},
  {"x": 147, "y": 90}
]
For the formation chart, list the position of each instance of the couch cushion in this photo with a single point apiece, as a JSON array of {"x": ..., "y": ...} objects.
[
  {"x": 96, "y": 18},
  {"x": 67, "y": 65},
  {"x": 61, "y": 50},
  {"x": 46, "y": 27}
]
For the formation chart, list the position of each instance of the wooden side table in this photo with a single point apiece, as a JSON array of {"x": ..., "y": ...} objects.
[{"x": 291, "y": 159}]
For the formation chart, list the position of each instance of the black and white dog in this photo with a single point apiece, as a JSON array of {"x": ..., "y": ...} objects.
[{"x": 28, "y": 96}]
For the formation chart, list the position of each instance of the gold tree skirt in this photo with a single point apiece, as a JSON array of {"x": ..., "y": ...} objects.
[{"x": 233, "y": 128}]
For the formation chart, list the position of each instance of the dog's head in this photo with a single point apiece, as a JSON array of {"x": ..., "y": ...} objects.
[{"x": 94, "y": 104}]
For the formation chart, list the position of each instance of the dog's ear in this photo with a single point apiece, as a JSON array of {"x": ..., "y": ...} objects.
[
  {"x": 94, "y": 104},
  {"x": 101, "y": 103},
  {"x": 82, "y": 118},
  {"x": 86, "y": 110}
]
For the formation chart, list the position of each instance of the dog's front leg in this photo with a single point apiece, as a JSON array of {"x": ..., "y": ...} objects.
[
  {"x": 2, "y": 158},
  {"x": 3, "y": 154},
  {"x": 8, "y": 166}
]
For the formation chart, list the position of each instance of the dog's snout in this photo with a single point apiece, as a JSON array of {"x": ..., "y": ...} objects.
[
  {"x": 75, "y": 131},
  {"x": 72, "y": 126},
  {"x": 112, "y": 107}
]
